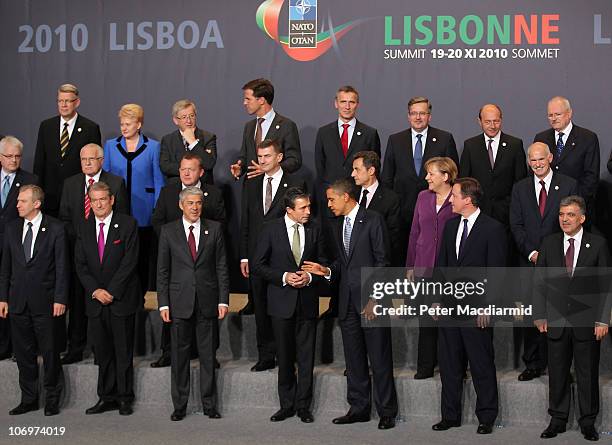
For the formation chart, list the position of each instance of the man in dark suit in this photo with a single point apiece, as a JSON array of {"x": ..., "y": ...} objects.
[
  {"x": 258, "y": 98},
  {"x": 375, "y": 196},
  {"x": 75, "y": 208},
  {"x": 496, "y": 160},
  {"x": 472, "y": 240},
  {"x": 167, "y": 209},
  {"x": 575, "y": 150},
  {"x": 571, "y": 304},
  {"x": 262, "y": 201},
  {"x": 60, "y": 140},
  {"x": 193, "y": 292},
  {"x": 188, "y": 138},
  {"x": 11, "y": 178},
  {"x": 106, "y": 256},
  {"x": 293, "y": 299},
  {"x": 533, "y": 216},
  {"x": 406, "y": 154},
  {"x": 34, "y": 282},
  {"x": 360, "y": 241}
]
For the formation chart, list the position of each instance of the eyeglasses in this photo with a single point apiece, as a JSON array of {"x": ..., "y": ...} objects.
[
  {"x": 88, "y": 160},
  {"x": 187, "y": 116},
  {"x": 556, "y": 115},
  {"x": 418, "y": 113},
  {"x": 12, "y": 157},
  {"x": 66, "y": 101}
]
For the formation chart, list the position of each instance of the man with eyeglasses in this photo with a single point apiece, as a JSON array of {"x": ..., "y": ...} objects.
[
  {"x": 406, "y": 154},
  {"x": 575, "y": 151},
  {"x": 75, "y": 209},
  {"x": 12, "y": 178},
  {"x": 188, "y": 138},
  {"x": 60, "y": 140}
]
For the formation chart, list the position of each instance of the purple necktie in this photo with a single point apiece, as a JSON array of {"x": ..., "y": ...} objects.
[{"x": 101, "y": 242}]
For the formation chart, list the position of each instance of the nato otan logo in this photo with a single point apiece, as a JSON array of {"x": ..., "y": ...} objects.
[{"x": 302, "y": 23}]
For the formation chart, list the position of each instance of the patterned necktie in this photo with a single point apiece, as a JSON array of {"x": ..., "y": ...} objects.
[
  {"x": 542, "y": 198},
  {"x": 268, "y": 198},
  {"x": 87, "y": 203},
  {"x": 6, "y": 186},
  {"x": 418, "y": 154},
  {"x": 346, "y": 236},
  {"x": 186, "y": 144},
  {"x": 64, "y": 140},
  {"x": 464, "y": 236},
  {"x": 491, "y": 157},
  {"x": 259, "y": 131},
  {"x": 364, "y": 198},
  {"x": 296, "y": 249},
  {"x": 560, "y": 145},
  {"x": 101, "y": 242},
  {"x": 191, "y": 243},
  {"x": 344, "y": 139},
  {"x": 27, "y": 243},
  {"x": 569, "y": 257}
]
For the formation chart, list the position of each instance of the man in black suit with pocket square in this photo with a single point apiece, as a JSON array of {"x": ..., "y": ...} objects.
[
  {"x": 472, "y": 240},
  {"x": 188, "y": 138},
  {"x": 262, "y": 201},
  {"x": 268, "y": 124},
  {"x": 533, "y": 216},
  {"x": 106, "y": 255},
  {"x": 34, "y": 281},
  {"x": 360, "y": 241},
  {"x": 406, "y": 154},
  {"x": 293, "y": 299},
  {"x": 572, "y": 306},
  {"x": 11, "y": 178},
  {"x": 167, "y": 210},
  {"x": 59, "y": 143},
  {"x": 192, "y": 292}
]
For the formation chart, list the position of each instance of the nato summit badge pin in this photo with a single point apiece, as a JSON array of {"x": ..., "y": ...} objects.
[
  {"x": 556, "y": 187},
  {"x": 79, "y": 129},
  {"x": 587, "y": 245},
  {"x": 43, "y": 229},
  {"x": 206, "y": 232},
  {"x": 285, "y": 185},
  {"x": 208, "y": 150},
  {"x": 205, "y": 193},
  {"x": 277, "y": 127},
  {"x": 359, "y": 133},
  {"x": 116, "y": 226},
  {"x": 503, "y": 144},
  {"x": 434, "y": 139},
  {"x": 303, "y": 23},
  {"x": 17, "y": 185}
]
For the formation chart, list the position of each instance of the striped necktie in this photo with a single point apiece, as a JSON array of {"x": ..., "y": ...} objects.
[{"x": 64, "y": 140}]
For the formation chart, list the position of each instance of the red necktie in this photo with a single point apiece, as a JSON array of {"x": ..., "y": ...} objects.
[
  {"x": 87, "y": 200},
  {"x": 344, "y": 139},
  {"x": 542, "y": 198},
  {"x": 191, "y": 243},
  {"x": 569, "y": 257}
]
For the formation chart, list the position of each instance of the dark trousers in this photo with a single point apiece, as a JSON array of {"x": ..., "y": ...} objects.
[
  {"x": 296, "y": 338},
  {"x": 5, "y": 336},
  {"x": 427, "y": 353},
  {"x": 535, "y": 353},
  {"x": 34, "y": 333},
  {"x": 359, "y": 345},
  {"x": 166, "y": 344},
  {"x": 113, "y": 340},
  {"x": 585, "y": 354},
  {"x": 206, "y": 338},
  {"x": 266, "y": 347},
  {"x": 77, "y": 319},
  {"x": 456, "y": 344}
]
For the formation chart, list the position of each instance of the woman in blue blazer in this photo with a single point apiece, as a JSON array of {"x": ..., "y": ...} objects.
[{"x": 135, "y": 158}]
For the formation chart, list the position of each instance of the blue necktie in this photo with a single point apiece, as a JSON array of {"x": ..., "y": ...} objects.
[
  {"x": 560, "y": 145},
  {"x": 418, "y": 154},
  {"x": 6, "y": 186},
  {"x": 464, "y": 236},
  {"x": 346, "y": 237}
]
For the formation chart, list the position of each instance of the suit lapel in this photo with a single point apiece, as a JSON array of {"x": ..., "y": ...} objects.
[
  {"x": 409, "y": 160},
  {"x": 279, "y": 191},
  {"x": 111, "y": 236},
  {"x": 355, "y": 140},
  {"x": 274, "y": 127},
  {"x": 585, "y": 251},
  {"x": 502, "y": 151},
  {"x": 469, "y": 239},
  {"x": 179, "y": 233},
  {"x": 358, "y": 225},
  {"x": 41, "y": 237},
  {"x": 203, "y": 238},
  {"x": 570, "y": 144},
  {"x": 282, "y": 229},
  {"x": 553, "y": 191},
  {"x": 14, "y": 190}
]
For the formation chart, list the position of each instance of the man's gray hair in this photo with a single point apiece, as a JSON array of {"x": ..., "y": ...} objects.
[{"x": 190, "y": 191}]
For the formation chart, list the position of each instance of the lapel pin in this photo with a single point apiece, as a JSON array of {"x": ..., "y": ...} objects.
[
  {"x": 43, "y": 229},
  {"x": 285, "y": 185},
  {"x": 79, "y": 129},
  {"x": 205, "y": 193},
  {"x": 116, "y": 226},
  {"x": 573, "y": 143},
  {"x": 503, "y": 144},
  {"x": 360, "y": 220},
  {"x": 17, "y": 185},
  {"x": 359, "y": 133},
  {"x": 587, "y": 245},
  {"x": 556, "y": 187},
  {"x": 206, "y": 232},
  {"x": 433, "y": 139},
  {"x": 208, "y": 150},
  {"x": 277, "y": 127}
]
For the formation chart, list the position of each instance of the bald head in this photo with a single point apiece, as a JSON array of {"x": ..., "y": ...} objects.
[
  {"x": 559, "y": 113},
  {"x": 539, "y": 157},
  {"x": 490, "y": 119}
]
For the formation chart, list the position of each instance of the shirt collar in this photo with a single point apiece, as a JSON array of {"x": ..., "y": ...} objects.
[
  {"x": 186, "y": 224},
  {"x": 547, "y": 179},
  {"x": 197, "y": 184},
  {"x": 106, "y": 220},
  {"x": 353, "y": 213},
  {"x": 36, "y": 221},
  {"x": 496, "y": 138},
  {"x": 276, "y": 176},
  {"x": 472, "y": 218},
  {"x": 5, "y": 174},
  {"x": 269, "y": 116},
  {"x": 351, "y": 123},
  {"x": 577, "y": 237},
  {"x": 424, "y": 133},
  {"x": 70, "y": 121},
  {"x": 566, "y": 131},
  {"x": 371, "y": 189},
  {"x": 290, "y": 223},
  {"x": 95, "y": 177}
]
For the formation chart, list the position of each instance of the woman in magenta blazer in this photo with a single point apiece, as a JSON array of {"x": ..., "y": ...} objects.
[{"x": 431, "y": 212}]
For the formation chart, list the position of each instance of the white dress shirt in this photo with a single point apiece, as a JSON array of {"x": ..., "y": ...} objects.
[
  {"x": 289, "y": 223},
  {"x": 350, "y": 129},
  {"x": 197, "y": 184},
  {"x": 3, "y": 175},
  {"x": 71, "y": 124},
  {"x": 471, "y": 220},
  {"x": 265, "y": 125},
  {"x": 423, "y": 139},
  {"x": 577, "y": 241},
  {"x": 95, "y": 177},
  {"x": 371, "y": 190},
  {"x": 494, "y": 144},
  {"x": 566, "y": 132},
  {"x": 193, "y": 144},
  {"x": 106, "y": 222},
  {"x": 276, "y": 180},
  {"x": 36, "y": 221},
  {"x": 537, "y": 187}
]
